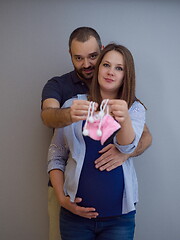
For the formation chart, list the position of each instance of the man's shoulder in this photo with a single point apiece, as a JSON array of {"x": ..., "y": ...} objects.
[{"x": 67, "y": 77}]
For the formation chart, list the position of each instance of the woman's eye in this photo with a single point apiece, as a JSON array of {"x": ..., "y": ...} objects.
[
  {"x": 119, "y": 68},
  {"x": 106, "y": 65}
]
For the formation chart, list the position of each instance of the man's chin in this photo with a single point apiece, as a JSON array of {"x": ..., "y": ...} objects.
[{"x": 86, "y": 76}]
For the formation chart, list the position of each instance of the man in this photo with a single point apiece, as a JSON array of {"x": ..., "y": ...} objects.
[{"x": 84, "y": 48}]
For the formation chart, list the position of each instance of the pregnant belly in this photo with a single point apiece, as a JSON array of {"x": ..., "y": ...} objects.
[{"x": 102, "y": 190}]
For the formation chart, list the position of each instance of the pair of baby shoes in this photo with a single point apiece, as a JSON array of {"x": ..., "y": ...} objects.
[{"x": 100, "y": 126}]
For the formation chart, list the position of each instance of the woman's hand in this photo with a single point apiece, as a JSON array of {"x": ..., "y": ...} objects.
[
  {"x": 119, "y": 110},
  {"x": 79, "y": 110},
  {"x": 86, "y": 212}
]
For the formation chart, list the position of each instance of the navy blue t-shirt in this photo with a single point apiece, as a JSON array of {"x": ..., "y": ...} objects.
[
  {"x": 102, "y": 190},
  {"x": 64, "y": 87}
]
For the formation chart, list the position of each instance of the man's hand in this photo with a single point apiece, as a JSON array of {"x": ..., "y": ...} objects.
[
  {"x": 110, "y": 158},
  {"x": 86, "y": 212},
  {"x": 55, "y": 117},
  {"x": 79, "y": 110}
]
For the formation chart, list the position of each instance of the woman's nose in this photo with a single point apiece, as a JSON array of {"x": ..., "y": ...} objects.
[{"x": 110, "y": 71}]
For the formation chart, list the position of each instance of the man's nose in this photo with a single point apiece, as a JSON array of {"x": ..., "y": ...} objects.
[{"x": 86, "y": 63}]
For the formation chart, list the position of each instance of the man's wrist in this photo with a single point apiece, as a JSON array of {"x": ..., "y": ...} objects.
[{"x": 70, "y": 121}]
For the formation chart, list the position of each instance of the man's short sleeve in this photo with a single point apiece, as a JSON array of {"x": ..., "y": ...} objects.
[{"x": 52, "y": 89}]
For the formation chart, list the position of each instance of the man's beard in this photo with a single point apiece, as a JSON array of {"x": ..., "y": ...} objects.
[{"x": 83, "y": 75}]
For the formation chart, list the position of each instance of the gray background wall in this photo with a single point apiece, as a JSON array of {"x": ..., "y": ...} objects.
[{"x": 33, "y": 48}]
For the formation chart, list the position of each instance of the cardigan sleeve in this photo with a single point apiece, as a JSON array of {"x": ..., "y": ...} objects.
[
  {"x": 57, "y": 152},
  {"x": 137, "y": 114}
]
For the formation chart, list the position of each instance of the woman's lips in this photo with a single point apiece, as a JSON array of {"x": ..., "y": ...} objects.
[{"x": 108, "y": 80}]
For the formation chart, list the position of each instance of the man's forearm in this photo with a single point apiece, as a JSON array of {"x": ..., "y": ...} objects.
[
  {"x": 56, "y": 117},
  {"x": 144, "y": 142}
]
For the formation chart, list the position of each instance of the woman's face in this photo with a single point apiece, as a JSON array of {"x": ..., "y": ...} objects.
[{"x": 111, "y": 73}]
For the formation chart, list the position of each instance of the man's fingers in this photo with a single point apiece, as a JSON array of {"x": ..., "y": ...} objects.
[
  {"x": 106, "y": 166},
  {"x": 112, "y": 166},
  {"x": 101, "y": 163},
  {"x": 78, "y": 200},
  {"x": 110, "y": 159},
  {"x": 105, "y": 149},
  {"x": 106, "y": 153}
]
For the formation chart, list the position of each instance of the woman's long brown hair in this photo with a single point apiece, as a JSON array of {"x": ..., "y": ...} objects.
[{"x": 127, "y": 89}]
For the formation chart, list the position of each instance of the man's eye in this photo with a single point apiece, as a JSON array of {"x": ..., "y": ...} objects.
[
  {"x": 78, "y": 58},
  {"x": 94, "y": 56}
]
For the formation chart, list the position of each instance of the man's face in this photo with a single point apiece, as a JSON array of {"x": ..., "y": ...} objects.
[{"x": 84, "y": 56}]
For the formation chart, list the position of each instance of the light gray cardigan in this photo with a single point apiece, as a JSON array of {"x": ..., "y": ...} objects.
[{"x": 67, "y": 152}]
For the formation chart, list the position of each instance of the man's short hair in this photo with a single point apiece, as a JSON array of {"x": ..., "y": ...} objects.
[{"x": 83, "y": 34}]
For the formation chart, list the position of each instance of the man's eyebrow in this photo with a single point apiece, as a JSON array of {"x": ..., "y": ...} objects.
[
  {"x": 90, "y": 54},
  {"x": 94, "y": 53}
]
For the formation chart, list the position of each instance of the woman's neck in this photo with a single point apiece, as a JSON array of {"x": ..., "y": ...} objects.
[{"x": 108, "y": 95}]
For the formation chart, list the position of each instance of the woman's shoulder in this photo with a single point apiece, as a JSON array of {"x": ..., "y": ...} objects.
[
  {"x": 137, "y": 106},
  {"x": 69, "y": 102}
]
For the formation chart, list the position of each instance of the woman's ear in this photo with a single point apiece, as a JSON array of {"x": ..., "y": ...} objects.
[{"x": 102, "y": 47}]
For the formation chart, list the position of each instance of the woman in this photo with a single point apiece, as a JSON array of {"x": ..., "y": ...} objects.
[{"x": 99, "y": 204}]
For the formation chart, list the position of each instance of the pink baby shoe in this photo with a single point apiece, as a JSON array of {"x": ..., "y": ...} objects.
[
  {"x": 100, "y": 126},
  {"x": 108, "y": 127}
]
